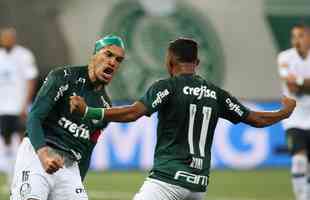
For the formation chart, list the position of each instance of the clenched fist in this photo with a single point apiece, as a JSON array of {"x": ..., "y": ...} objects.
[
  {"x": 77, "y": 104},
  {"x": 50, "y": 163}
]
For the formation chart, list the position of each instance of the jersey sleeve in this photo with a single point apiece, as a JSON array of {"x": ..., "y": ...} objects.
[
  {"x": 283, "y": 64},
  {"x": 50, "y": 92},
  {"x": 231, "y": 109},
  {"x": 156, "y": 96},
  {"x": 29, "y": 67}
]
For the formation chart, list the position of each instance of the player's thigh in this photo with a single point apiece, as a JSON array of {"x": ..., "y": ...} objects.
[
  {"x": 68, "y": 185},
  {"x": 30, "y": 180},
  {"x": 153, "y": 189},
  {"x": 296, "y": 140}
]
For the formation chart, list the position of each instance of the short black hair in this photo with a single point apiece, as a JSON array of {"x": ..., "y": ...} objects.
[
  {"x": 301, "y": 25},
  {"x": 184, "y": 49}
]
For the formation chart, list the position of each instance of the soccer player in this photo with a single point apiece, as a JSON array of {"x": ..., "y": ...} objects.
[
  {"x": 55, "y": 154},
  {"x": 18, "y": 73},
  {"x": 294, "y": 69},
  {"x": 188, "y": 110}
]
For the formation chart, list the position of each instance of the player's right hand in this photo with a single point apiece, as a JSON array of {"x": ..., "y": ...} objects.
[
  {"x": 289, "y": 105},
  {"x": 77, "y": 104},
  {"x": 50, "y": 164}
]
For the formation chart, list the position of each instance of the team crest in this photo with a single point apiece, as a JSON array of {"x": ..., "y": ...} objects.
[{"x": 25, "y": 189}]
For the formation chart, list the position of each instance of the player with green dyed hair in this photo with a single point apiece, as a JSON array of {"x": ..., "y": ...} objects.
[
  {"x": 54, "y": 156},
  {"x": 188, "y": 109}
]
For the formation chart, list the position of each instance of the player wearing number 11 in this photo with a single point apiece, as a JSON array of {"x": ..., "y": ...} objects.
[{"x": 188, "y": 110}]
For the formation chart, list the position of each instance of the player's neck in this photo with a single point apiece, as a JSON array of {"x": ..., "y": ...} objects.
[
  {"x": 97, "y": 85},
  {"x": 185, "y": 68},
  {"x": 303, "y": 53}
]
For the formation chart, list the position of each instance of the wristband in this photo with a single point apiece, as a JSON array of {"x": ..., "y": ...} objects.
[
  {"x": 94, "y": 113},
  {"x": 300, "y": 80}
]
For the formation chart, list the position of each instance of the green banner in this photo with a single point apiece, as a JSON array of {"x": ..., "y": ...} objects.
[{"x": 146, "y": 38}]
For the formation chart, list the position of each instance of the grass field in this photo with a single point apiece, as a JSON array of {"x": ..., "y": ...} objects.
[{"x": 265, "y": 184}]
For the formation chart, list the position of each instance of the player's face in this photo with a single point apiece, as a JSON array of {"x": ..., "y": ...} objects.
[
  {"x": 7, "y": 39},
  {"x": 106, "y": 63},
  {"x": 300, "y": 39}
]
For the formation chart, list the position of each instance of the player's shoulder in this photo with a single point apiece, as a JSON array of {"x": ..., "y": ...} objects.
[
  {"x": 23, "y": 50},
  {"x": 68, "y": 71},
  {"x": 287, "y": 54}
]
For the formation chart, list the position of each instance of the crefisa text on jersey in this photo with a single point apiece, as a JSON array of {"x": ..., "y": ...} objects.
[
  {"x": 234, "y": 107},
  {"x": 200, "y": 92},
  {"x": 80, "y": 131}
]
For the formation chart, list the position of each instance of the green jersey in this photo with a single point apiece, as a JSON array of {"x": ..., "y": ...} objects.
[
  {"x": 51, "y": 123},
  {"x": 188, "y": 110}
]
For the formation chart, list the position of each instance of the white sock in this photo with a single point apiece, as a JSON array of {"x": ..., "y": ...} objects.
[{"x": 299, "y": 176}]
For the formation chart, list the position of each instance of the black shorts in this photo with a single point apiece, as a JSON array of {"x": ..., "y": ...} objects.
[
  {"x": 297, "y": 140},
  {"x": 10, "y": 124}
]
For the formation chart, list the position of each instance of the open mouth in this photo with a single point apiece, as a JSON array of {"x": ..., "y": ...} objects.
[{"x": 108, "y": 71}]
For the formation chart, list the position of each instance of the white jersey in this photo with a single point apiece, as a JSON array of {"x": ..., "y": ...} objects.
[
  {"x": 290, "y": 62},
  {"x": 16, "y": 67}
]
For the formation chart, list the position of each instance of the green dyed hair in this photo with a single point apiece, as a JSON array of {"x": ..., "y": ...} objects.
[{"x": 108, "y": 40}]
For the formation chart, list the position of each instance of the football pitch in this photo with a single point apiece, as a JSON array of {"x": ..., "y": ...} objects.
[{"x": 264, "y": 184}]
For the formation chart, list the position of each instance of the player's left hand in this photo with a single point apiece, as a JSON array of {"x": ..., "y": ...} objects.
[
  {"x": 77, "y": 104},
  {"x": 291, "y": 78}
]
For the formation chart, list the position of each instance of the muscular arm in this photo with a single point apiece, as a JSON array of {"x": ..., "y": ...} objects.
[
  {"x": 125, "y": 113},
  {"x": 116, "y": 114},
  {"x": 263, "y": 119}
]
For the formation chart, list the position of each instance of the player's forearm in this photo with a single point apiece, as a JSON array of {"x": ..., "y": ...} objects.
[
  {"x": 117, "y": 114},
  {"x": 35, "y": 132},
  {"x": 121, "y": 114},
  {"x": 263, "y": 119}
]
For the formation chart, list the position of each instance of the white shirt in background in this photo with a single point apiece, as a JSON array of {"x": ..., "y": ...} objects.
[
  {"x": 16, "y": 68},
  {"x": 290, "y": 62}
]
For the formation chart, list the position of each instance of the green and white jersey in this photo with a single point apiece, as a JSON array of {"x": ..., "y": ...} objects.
[
  {"x": 51, "y": 123},
  {"x": 188, "y": 110}
]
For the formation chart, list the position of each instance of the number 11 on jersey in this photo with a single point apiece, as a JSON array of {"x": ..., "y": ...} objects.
[{"x": 206, "y": 111}]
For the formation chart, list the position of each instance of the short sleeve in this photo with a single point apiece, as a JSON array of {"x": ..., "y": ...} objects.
[
  {"x": 156, "y": 96},
  {"x": 231, "y": 109},
  {"x": 29, "y": 66},
  {"x": 283, "y": 64}
]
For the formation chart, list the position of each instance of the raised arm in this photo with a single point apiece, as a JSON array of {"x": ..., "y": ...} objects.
[
  {"x": 117, "y": 114},
  {"x": 262, "y": 119}
]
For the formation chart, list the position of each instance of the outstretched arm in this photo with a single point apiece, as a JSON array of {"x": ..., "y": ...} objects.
[
  {"x": 263, "y": 119},
  {"x": 117, "y": 114}
]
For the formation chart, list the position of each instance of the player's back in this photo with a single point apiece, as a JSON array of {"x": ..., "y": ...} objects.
[
  {"x": 188, "y": 109},
  {"x": 187, "y": 120}
]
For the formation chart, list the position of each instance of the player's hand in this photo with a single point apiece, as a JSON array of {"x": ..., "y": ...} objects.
[
  {"x": 77, "y": 104},
  {"x": 293, "y": 87},
  {"x": 291, "y": 78},
  {"x": 289, "y": 105},
  {"x": 50, "y": 163}
]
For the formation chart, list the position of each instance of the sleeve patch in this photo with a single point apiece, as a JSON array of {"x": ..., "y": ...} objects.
[
  {"x": 159, "y": 97},
  {"x": 234, "y": 107}
]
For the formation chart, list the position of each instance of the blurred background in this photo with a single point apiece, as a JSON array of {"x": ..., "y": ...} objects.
[{"x": 239, "y": 42}]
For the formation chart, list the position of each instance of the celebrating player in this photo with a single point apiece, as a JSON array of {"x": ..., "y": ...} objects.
[
  {"x": 294, "y": 68},
  {"x": 188, "y": 110},
  {"x": 56, "y": 141}
]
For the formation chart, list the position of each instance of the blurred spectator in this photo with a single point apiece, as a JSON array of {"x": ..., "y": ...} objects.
[
  {"x": 18, "y": 72},
  {"x": 294, "y": 69}
]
